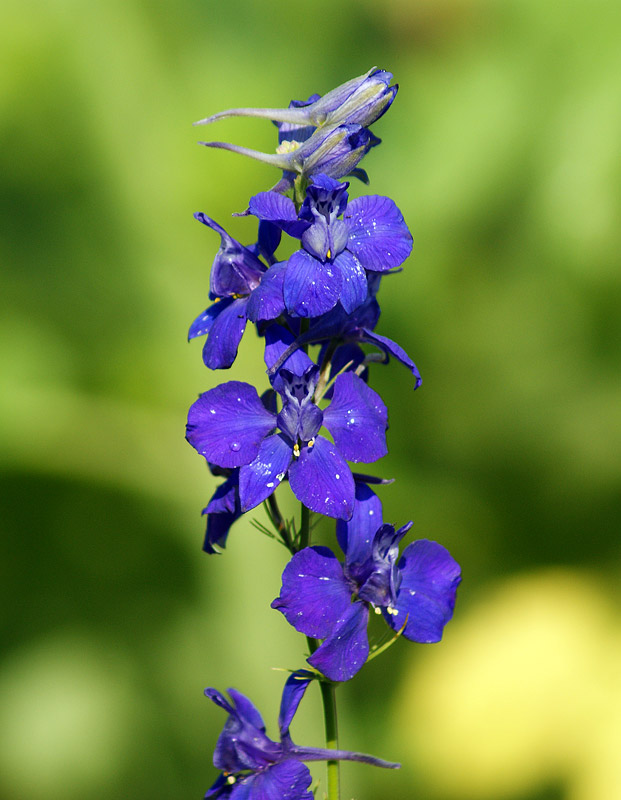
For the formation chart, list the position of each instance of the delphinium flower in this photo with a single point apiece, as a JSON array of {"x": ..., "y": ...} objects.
[
  {"x": 254, "y": 767},
  {"x": 328, "y": 600},
  {"x": 235, "y": 278},
  {"x": 336, "y": 252},
  {"x": 231, "y": 427}
]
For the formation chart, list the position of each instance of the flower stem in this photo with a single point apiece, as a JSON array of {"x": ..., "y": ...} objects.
[
  {"x": 327, "y": 687},
  {"x": 328, "y": 696},
  {"x": 305, "y": 527}
]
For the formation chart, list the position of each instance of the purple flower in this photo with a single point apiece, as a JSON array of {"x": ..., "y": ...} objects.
[
  {"x": 235, "y": 288},
  {"x": 231, "y": 427},
  {"x": 254, "y": 767},
  {"x": 361, "y": 100},
  {"x": 331, "y": 265},
  {"x": 351, "y": 330},
  {"x": 416, "y": 593}
]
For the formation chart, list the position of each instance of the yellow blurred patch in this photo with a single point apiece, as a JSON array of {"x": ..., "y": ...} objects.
[{"x": 525, "y": 691}]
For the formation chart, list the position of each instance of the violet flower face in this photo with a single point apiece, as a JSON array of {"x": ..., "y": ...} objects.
[
  {"x": 254, "y": 767},
  {"x": 236, "y": 274},
  {"x": 336, "y": 252},
  {"x": 328, "y": 600},
  {"x": 231, "y": 427}
]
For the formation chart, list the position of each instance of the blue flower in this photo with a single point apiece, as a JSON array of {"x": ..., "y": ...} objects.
[
  {"x": 236, "y": 275},
  {"x": 254, "y": 767},
  {"x": 416, "y": 593},
  {"x": 231, "y": 427},
  {"x": 336, "y": 253}
]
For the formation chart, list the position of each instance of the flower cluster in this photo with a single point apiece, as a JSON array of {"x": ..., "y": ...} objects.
[
  {"x": 253, "y": 765},
  {"x": 315, "y": 415}
]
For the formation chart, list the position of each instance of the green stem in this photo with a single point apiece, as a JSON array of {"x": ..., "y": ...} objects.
[
  {"x": 305, "y": 531},
  {"x": 328, "y": 696},
  {"x": 279, "y": 523}
]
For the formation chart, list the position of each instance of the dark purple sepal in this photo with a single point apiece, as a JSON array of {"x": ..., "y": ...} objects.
[
  {"x": 235, "y": 269},
  {"x": 345, "y": 651},
  {"x": 311, "y": 287},
  {"x": 378, "y": 235},
  {"x": 218, "y": 527},
  {"x": 314, "y": 592},
  {"x": 202, "y": 324},
  {"x": 355, "y": 536},
  {"x": 228, "y": 423},
  {"x": 322, "y": 480},
  {"x": 269, "y": 237},
  {"x": 288, "y": 780},
  {"x": 279, "y": 210},
  {"x": 222, "y": 511},
  {"x": 357, "y": 419},
  {"x": 225, "y": 334},
  {"x": 243, "y": 743},
  {"x": 267, "y": 301},
  {"x": 392, "y": 349},
  {"x": 266, "y": 472},
  {"x": 354, "y": 281},
  {"x": 292, "y": 694},
  {"x": 429, "y": 580}
]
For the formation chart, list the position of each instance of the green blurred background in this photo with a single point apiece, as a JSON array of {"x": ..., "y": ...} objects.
[{"x": 502, "y": 150}]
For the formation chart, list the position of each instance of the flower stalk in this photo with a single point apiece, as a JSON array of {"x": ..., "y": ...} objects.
[{"x": 314, "y": 311}]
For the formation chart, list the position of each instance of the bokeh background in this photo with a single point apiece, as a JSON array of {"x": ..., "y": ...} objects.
[{"x": 502, "y": 150}]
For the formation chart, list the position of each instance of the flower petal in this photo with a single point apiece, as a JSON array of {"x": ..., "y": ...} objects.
[
  {"x": 226, "y": 331},
  {"x": 278, "y": 209},
  {"x": 429, "y": 580},
  {"x": 311, "y": 288},
  {"x": 267, "y": 301},
  {"x": 355, "y": 536},
  {"x": 228, "y": 423},
  {"x": 288, "y": 780},
  {"x": 202, "y": 324},
  {"x": 222, "y": 511},
  {"x": 292, "y": 694},
  {"x": 393, "y": 349},
  {"x": 315, "y": 595},
  {"x": 354, "y": 288},
  {"x": 321, "y": 479},
  {"x": 262, "y": 476},
  {"x": 357, "y": 419},
  {"x": 344, "y": 652},
  {"x": 378, "y": 236}
]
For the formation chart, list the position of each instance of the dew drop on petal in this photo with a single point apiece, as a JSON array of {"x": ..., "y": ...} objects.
[{"x": 235, "y": 446}]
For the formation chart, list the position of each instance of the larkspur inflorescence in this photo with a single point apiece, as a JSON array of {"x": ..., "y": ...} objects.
[{"x": 317, "y": 413}]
